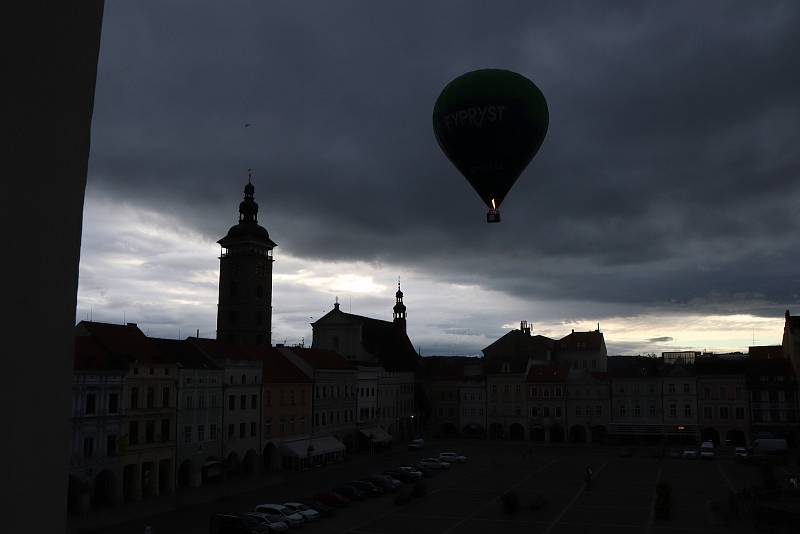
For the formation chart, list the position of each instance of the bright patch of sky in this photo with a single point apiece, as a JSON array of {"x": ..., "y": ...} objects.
[{"x": 139, "y": 265}]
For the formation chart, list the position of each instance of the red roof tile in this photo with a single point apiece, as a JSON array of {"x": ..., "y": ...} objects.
[
  {"x": 90, "y": 355},
  {"x": 125, "y": 341},
  {"x": 766, "y": 352}
]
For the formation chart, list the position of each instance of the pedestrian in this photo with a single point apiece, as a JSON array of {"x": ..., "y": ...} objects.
[{"x": 588, "y": 476}]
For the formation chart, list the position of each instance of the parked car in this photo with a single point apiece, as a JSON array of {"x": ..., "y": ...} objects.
[
  {"x": 291, "y": 518},
  {"x": 426, "y": 472},
  {"x": 350, "y": 492},
  {"x": 452, "y": 457},
  {"x": 274, "y": 523},
  {"x": 707, "y": 450},
  {"x": 741, "y": 454},
  {"x": 331, "y": 498},
  {"x": 412, "y": 470},
  {"x": 309, "y": 514},
  {"x": 689, "y": 453},
  {"x": 315, "y": 504},
  {"x": 367, "y": 488},
  {"x": 236, "y": 524},
  {"x": 402, "y": 476},
  {"x": 416, "y": 444},
  {"x": 385, "y": 481},
  {"x": 434, "y": 463}
]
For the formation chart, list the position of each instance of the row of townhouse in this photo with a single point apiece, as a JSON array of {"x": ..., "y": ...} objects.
[
  {"x": 150, "y": 415},
  {"x": 542, "y": 389}
]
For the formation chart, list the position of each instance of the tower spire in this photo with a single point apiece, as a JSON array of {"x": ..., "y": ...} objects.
[{"x": 399, "y": 309}]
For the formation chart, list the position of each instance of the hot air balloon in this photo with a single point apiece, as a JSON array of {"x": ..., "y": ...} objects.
[{"x": 490, "y": 123}]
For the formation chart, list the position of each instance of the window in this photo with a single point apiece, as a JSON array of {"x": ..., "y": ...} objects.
[
  {"x": 88, "y": 447},
  {"x": 133, "y": 432},
  {"x": 213, "y": 400},
  {"x": 150, "y": 431},
  {"x": 518, "y": 411},
  {"x": 232, "y": 317},
  {"x": 231, "y": 402},
  {"x": 165, "y": 397},
  {"x": 494, "y": 389},
  {"x": 244, "y": 379},
  {"x": 652, "y": 410},
  {"x": 671, "y": 388},
  {"x": 622, "y": 410},
  {"x": 583, "y": 364},
  {"x": 165, "y": 430},
  {"x": 152, "y": 371},
  {"x": 231, "y": 430},
  {"x": 598, "y": 411},
  {"x": 254, "y": 401},
  {"x": 558, "y": 411},
  {"x": 687, "y": 410},
  {"x": 673, "y": 410},
  {"x": 242, "y": 430},
  {"x": 706, "y": 393},
  {"x": 723, "y": 392},
  {"x": 91, "y": 403},
  {"x": 189, "y": 402},
  {"x": 723, "y": 412},
  {"x": 201, "y": 401},
  {"x": 253, "y": 429},
  {"x": 577, "y": 411},
  {"x": 518, "y": 389},
  {"x": 268, "y": 426},
  {"x": 506, "y": 389},
  {"x": 113, "y": 403},
  {"x": 201, "y": 432},
  {"x": 534, "y": 412},
  {"x": 546, "y": 393},
  {"x": 267, "y": 397},
  {"x": 594, "y": 364},
  {"x": 739, "y": 412},
  {"x": 558, "y": 391},
  {"x": 134, "y": 398},
  {"x": 111, "y": 445},
  {"x": 686, "y": 388},
  {"x": 546, "y": 411},
  {"x": 259, "y": 317},
  {"x": 708, "y": 412},
  {"x": 187, "y": 434},
  {"x": 533, "y": 391},
  {"x": 135, "y": 370}
]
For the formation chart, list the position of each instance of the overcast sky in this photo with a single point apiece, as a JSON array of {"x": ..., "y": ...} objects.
[{"x": 663, "y": 203}]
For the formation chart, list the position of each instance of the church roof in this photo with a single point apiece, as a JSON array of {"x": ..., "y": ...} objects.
[{"x": 383, "y": 339}]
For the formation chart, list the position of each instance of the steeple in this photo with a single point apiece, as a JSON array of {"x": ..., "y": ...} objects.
[
  {"x": 399, "y": 314},
  {"x": 248, "y": 208}
]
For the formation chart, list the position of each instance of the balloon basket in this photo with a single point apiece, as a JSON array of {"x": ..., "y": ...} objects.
[{"x": 493, "y": 216}]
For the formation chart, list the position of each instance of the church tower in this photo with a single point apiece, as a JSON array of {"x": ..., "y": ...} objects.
[
  {"x": 244, "y": 310},
  {"x": 399, "y": 314}
]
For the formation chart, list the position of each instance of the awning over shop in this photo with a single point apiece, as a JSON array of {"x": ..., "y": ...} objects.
[
  {"x": 377, "y": 434},
  {"x": 323, "y": 445}
]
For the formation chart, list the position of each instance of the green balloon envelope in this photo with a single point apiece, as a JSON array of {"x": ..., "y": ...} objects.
[{"x": 490, "y": 123}]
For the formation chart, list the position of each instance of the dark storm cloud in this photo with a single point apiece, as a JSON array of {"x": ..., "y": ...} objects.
[
  {"x": 662, "y": 339},
  {"x": 669, "y": 176}
]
